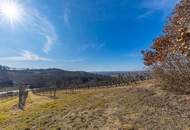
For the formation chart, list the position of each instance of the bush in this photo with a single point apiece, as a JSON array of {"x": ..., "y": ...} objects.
[{"x": 173, "y": 74}]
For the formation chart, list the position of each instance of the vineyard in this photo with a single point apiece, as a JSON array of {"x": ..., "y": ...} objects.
[{"x": 137, "y": 106}]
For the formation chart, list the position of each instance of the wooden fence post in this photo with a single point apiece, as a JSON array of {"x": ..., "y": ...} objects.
[{"x": 23, "y": 94}]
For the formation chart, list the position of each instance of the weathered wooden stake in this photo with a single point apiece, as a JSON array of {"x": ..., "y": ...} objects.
[{"x": 23, "y": 94}]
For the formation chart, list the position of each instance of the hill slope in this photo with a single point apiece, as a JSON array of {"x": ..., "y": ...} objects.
[
  {"x": 38, "y": 78},
  {"x": 132, "y": 107}
]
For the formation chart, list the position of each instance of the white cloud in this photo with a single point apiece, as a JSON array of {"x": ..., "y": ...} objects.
[
  {"x": 66, "y": 17},
  {"x": 32, "y": 57},
  {"x": 25, "y": 56},
  {"x": 87, "y": 46},
  {"x": 43, "y": 26},
  {"x": 133, "y": 55},
  {"x": 74, "y": 60},
  {"x": 164, "y": 6},
  {"x": 144, "y": 15}
]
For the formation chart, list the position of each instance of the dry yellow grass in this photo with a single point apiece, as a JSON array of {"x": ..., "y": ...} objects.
[{"x": 132, "y": 107}]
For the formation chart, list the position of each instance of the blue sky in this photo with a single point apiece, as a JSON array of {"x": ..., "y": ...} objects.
[{"x": 89, "y": 35}]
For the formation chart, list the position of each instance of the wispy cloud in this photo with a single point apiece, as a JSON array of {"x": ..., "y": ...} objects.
[
  {"x": 152, "y": 6},
  {"x": 33, "y": 57},
  {"x": 74, "y": 60},
  {"x": 44, "y": 27},
  {"x": 25, "y": 56},
  {"x": 34, "y": 20},
  {"x": 146, "y": 14},
  {"x": 66, "y": 17},
  {"x": 133, "y": 55},
  {"x": 93, "y": 46}
]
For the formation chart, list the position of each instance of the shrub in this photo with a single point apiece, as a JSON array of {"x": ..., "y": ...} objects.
[{"x": 174, "y": 73}]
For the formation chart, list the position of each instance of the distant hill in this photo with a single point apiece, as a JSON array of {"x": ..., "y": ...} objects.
[
  {"x": 45, "y": 77},
  {"x": 123, "y": 73}
]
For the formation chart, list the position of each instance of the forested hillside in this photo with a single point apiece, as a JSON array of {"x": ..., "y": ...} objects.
[{"x": 38, "y": 78}]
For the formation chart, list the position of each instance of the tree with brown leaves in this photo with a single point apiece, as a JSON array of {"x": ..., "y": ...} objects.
[{"x": 175, "y": 38}]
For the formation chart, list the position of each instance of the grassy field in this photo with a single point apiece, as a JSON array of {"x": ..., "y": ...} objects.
[{"x": 138, "y": 106}]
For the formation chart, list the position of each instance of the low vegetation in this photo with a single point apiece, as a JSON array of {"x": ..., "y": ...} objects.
[
  {"x": 174, "y": 74},
  {"x": 138, "y": 106}
]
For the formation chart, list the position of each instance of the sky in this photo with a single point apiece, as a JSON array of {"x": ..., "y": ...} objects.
[{"x": 87, "y": 35}]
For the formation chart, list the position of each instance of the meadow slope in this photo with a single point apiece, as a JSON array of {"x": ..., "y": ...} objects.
[{"x": 132, "y": 107}]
